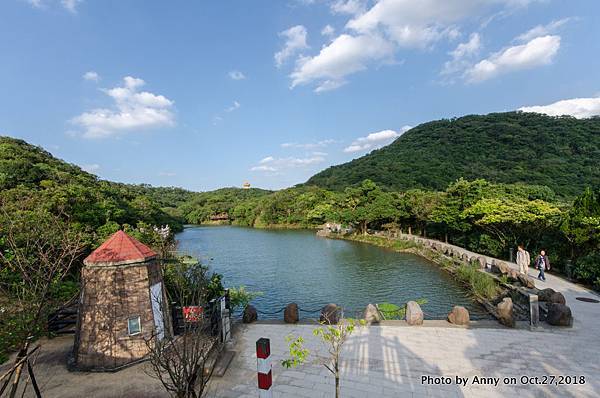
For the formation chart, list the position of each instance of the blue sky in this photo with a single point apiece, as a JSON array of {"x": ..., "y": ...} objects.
[{"x": 204, "y": 94}]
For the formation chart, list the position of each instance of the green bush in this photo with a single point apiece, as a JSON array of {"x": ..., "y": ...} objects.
[
  {"x": 588, "y": 268},
  {"x": 481, "y": 284},
  {"x": 392, "y": 311}
]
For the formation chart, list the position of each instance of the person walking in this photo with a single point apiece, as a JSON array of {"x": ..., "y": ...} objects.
[
  {"x": 523, "y": 260},
  {"x": 542, "y": 264}
]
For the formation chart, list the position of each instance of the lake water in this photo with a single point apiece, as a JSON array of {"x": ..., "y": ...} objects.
[{"x": 297, "y": 266}]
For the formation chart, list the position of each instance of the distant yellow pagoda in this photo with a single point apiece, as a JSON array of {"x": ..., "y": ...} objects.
[{"x": 246, "y": 185}]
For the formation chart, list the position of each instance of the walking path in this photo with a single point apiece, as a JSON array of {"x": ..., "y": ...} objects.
[{"x": 389, "y": 361}]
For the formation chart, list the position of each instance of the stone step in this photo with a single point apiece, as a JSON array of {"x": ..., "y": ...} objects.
[{"x": 223, "y": 363}]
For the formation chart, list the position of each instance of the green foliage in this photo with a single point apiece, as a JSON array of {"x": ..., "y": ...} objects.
[
  {"x": 581, "y": 224},
  {"x": 367, "y": 204},
  {"x": 514, "y": 147},
  {"x": 187, "y": 281},
  {"x": 587, "y": 268},
  {"x": 298, "y": 354},
  {"x": 480, "y": 283},
  {"x": 215, "y": 287},
  {"x": 28, "y": 173},
  {"x": 393, "y": 311},
  {"x": 201, "y": 206},
  {"x": 240, "y": 297}
]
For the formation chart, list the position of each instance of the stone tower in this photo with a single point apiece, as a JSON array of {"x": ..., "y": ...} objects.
[{"x": 122, "y": 303}]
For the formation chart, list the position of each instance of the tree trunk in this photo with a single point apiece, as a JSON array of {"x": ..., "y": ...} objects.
[
  {"x": 446, "y": 236},
  {"x": 22, "y": 353},
  {"x": 337, "y": 386},
  {"x": 409, "y": 230}
]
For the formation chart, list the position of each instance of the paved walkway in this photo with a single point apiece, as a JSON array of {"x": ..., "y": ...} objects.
[{"x": 389, "y": 361}]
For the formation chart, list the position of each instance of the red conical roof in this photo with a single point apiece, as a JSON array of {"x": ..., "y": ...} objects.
[{"x": 120, "y": 248}]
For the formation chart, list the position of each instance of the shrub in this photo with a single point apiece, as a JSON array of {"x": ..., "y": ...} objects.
[
  {"x": 587, "y": 269},
  {"x": 481, "y": 284}
]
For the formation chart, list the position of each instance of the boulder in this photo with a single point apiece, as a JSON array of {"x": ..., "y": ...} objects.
[
  {"x": 503, "y": 267},
  {"x": 372, "y": 314},
  {"x": 290, "y": 315},
  {"x": 559, "y": 315},
  {"x": 414, "y": 313},
  {"x": 459, "y": 315},
  {"x": 513, "y": 274},
  {"x": 330, "y": 314},
  {"x": 545, "y": 294},
  {"x": 526, "y": 282},
  {"x": 557, "y": 298},
  {"x": 505, "y": 312},
  {"x": 482, "y": 262},
  {"x": 250, "y": 315}
]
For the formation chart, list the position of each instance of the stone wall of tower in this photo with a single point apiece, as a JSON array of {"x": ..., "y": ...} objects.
[{"x": 110, "y": 296}]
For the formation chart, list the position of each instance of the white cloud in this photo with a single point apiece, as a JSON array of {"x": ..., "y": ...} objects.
[
  {"x": 35, "y": 3},
  {"x": 352, "y": 7},
  {"x": 236, "y": 105},
  {"x": 166, "y": 174},
  {"x": 311, "y": 145},
  {"x": 328, "y": 31},
  {"x": 577, "y": 107},
  {"x": 272, "y": 164},
  {"x": 295, "y": 42},
  {"x": 373, "y": 34},
  {"x": 132, "y": 110},
  {"x": 71, "y": 5},
  {"x": 236, "y": 75},
  {"x": 90, "y": 168},
  {"x": 418, "y": 24},
  {"x": 91, "y": 76},
  {"x": 462, "y": 54},
  {"x": 375, "y": 140},
  {"x": 263, "y": 168},
  {"x": 537, "y": 52},
  {"x": 345, "y": 55},
  {"x": 217, "y": 119},
  {"x": 267, "y": 159},
  {"x": 542, "y": 30}
]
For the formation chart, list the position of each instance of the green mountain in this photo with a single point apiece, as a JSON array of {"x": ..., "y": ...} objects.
[
  {"x": 31, "y": 175},
  {"x": 562, "y": 153}
]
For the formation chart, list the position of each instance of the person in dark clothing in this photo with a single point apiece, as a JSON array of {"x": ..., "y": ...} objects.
[{"x": 542, "y": 264}]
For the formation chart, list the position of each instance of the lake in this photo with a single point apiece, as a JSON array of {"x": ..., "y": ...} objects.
[{"x": 297, "y": 266}]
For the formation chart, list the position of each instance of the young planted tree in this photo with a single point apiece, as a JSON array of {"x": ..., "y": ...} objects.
[
  {"x": 184, "y": 363},
  {"x": 37, "y": 252},
  {"x": 333, "y": 337}
]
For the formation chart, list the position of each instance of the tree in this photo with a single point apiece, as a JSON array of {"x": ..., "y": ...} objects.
[
  {"x": 38, "y": 251},
  {"x": 513, "y": 220},
  {"x": 184, "y": 363},
  {"x": 581, "y": 224},
  {"x": 333, "y": 336},
  {"x": 367, "y": 204},
  {"x": 420, "y": 205},
  {"x": 459, "y": 195}
]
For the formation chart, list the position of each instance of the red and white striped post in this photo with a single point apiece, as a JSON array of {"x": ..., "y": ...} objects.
[{"x": 263, "y": 365}]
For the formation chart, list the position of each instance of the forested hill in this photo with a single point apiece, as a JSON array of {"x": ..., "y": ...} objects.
[
  {"x": 31, "y": 176},
  {"x": 562, "y": 153}
]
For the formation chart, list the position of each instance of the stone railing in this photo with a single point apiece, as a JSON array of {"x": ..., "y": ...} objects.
[{"x": 453, "y": 251}]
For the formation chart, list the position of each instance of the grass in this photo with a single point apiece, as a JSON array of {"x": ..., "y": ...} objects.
[
  {"x": 480, "y": 283},
  {"x": 381, "y": 241},
  {"x": 392, "y": 311}
]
